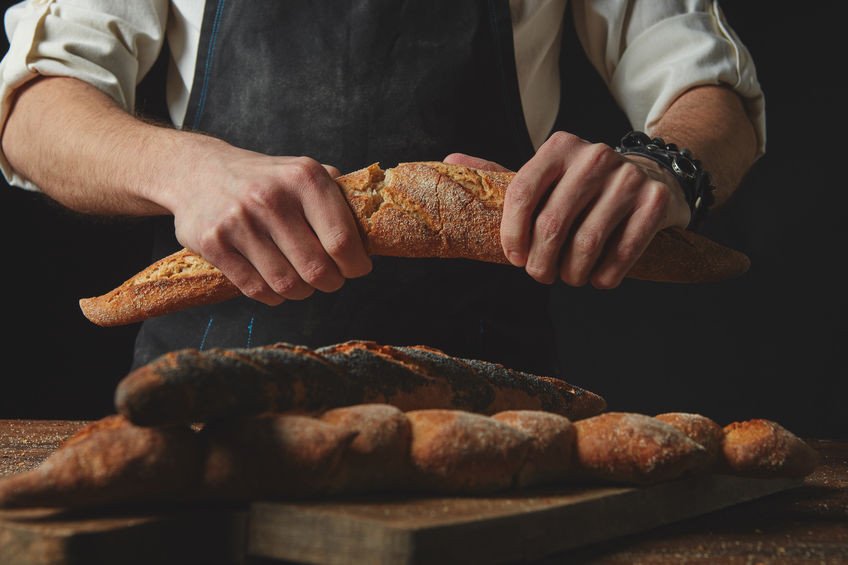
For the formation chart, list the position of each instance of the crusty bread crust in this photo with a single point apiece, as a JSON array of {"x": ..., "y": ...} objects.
[
  {"x": 764, "y": 448},
  {"x": 375, "y": 448},
  {"x": 623, "y": 447},
  {"x": 551, "y": 444},
  {"x": 188, "y": 385},
  {"x": 698, "y": 428},
  {"x": 418, "y": 209},
  {"x": 176, "y": 282},
  {"x": 457, "y": 452}
]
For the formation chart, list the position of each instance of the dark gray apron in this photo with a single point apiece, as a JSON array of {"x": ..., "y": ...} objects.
[{"x": 351, "y": 83}]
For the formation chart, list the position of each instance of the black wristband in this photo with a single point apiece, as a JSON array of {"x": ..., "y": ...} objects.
[{"x": 693, "y": 179}]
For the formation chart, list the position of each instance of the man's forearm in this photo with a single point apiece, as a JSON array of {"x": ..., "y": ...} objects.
[
  {"x": 84, "y": 151},
  {"x": 711, "y": 121}
]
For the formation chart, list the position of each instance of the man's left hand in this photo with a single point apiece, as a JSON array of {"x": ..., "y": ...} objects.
[{"x": 583, "y": 213}]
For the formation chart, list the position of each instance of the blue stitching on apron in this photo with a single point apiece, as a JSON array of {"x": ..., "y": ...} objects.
[
  {"x": 202, "y": 100},
  {"x": 205, "y": 333},
  {"x": 250, "y": 331}
]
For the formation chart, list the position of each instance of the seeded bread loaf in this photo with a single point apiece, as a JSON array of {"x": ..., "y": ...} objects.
[
  {"x": 189, "y": 385},
  {"x": 418, "y": 209}
]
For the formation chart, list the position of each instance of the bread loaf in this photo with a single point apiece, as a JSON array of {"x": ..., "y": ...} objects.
[
  {"x": 455, "y": 452},
  {"x": 378, "y": 458},
  {"x": 627, "y": 448},
  {"x": 272, "y": 456},
  {"x": 111, "y": 462},
  {"x": 764, "y": 448},
  {"x": 190, "y": 385},
  {"x": 377, "y": 448},
  {"x": 548, "y": 459},
  {"x": 699, "y": 429},
  {"x": 418, "y": 209}
]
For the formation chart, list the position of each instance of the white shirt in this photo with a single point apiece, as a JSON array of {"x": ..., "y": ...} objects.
[{"x": 648, "y": 52}]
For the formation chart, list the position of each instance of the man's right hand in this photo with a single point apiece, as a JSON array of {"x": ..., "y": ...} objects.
[{"x": 278, "y": 227}]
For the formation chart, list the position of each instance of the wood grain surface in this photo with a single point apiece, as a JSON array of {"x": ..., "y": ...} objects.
[{"x": 806, "y": 524}]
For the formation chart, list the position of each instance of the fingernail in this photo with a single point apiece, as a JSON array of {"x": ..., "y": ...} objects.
[{"x": 515, "y": 258}]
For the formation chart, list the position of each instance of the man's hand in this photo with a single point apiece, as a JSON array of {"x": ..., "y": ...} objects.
[
  {"x": 582, "y": 213},
  {"x": 277, "y": 227}
]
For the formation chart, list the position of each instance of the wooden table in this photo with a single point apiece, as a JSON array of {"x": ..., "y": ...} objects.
[{"x": 808, "y": 524}]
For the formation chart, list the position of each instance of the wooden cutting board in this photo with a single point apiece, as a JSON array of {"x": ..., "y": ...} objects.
[{"x": 494, "y": 529}]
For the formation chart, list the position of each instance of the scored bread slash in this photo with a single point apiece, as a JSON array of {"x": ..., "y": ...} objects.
[
  {"x": 417, "y": 209},
  {"x": 176, "y": 282}
]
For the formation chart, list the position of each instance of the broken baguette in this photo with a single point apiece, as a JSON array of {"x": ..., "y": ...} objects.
[{"x": 418, "y": 209}]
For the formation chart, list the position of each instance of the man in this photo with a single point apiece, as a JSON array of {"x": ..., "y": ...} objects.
[{"x": 273, "y": 99}]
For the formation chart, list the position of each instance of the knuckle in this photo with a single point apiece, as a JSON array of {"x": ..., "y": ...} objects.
[
  {"x": 601, "y": 156},
  {"x": 211, "y": 241},
  {"x": 233, "y": 216},
  {"x": 627, "y": 251},
  {"x": 605, "y": 282},
  {"x": 316, "y": 272},
  {"x": 587, "y": 242},
  {"x": 285, "y": 285},
  {"x": 263, "y": 194},
  {"x": 520, "y": 196},
  {"x": 570, "y": 278},
  {"x": 561, "y": 139},
  {"x": 549, "y": 227},
  {"x": 537, "y": 272},
  {"x": 308, "y": 171},
  {"x": 339, "y": 243},
  {"x": 632, "y": 175},
  {"x": 659, "y": 196},
  {"x": 252, "y": 289}
]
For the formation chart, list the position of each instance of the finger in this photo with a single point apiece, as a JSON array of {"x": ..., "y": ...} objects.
[
  {"x": 627, "y": 245},
  {"x": 331, "y": 219},
  {"x": 552, "y": 225},
  {"x": 474, "y": 162},
  {"x": 277, "y": 272},
  {"x": 332, "y": 171},
  {"x": 242, "y": 273},
  {"x": 590, "y": 237},
  {"x": 523, "y": 195}
]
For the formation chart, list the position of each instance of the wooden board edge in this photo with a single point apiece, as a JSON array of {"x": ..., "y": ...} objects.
[
  {"x": 202, "y": 536},
  {"x": 288, "y": 532}
]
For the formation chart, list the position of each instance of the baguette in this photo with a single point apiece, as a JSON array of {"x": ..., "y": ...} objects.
[
  {"x": 765, "y": 449},
  {"x": 418, "y": 209},
  {"x": 551, "y": 444},
  {"x": 272, "y": 456},
  {"x": 378, "y": 458},
  {"x": 377, "y": 448},
  {"x": 188, "y": 385},
  {"x": 110, "y": 462},
  {"x": 456, "y": 452},
  {"x": 699, "y": 429},
  {"x": 628, "y": 448}
]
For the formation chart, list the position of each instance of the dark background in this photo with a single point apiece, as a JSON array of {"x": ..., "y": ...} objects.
[{"x": 769, "y": 344}]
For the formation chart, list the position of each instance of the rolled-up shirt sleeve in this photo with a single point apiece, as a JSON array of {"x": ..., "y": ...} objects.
[
  {"x": 650, "y": 52},
  {"x": 110, "y": 44}
]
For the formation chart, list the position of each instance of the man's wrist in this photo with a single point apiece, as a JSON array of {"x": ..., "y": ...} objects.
[{"x": 680, "y": 163}]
